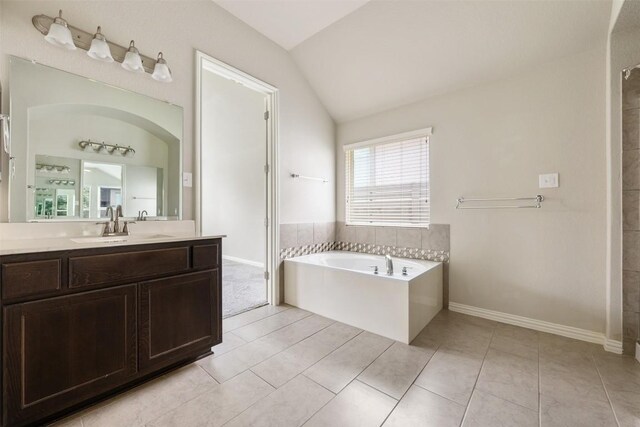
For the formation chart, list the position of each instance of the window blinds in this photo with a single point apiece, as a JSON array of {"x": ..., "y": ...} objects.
[{"x": 388, "y": 183}]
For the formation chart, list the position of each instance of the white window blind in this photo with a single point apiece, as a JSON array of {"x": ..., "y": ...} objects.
[{"x": 388, "y": 182}]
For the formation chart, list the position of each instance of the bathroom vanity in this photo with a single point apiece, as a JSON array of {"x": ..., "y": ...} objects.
[
  {"x": 83, "y": 316},
  {"x": 82, "y": 323}
]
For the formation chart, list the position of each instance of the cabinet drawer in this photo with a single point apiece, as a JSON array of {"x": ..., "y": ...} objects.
[
  {"x": 206, "y": 256},
  {"x": 21, "y": 279},
  {"x": 101, "y": 269}
]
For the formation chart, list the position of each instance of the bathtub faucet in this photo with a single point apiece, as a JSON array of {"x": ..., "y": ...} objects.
[{"x": 387, "y": 257}]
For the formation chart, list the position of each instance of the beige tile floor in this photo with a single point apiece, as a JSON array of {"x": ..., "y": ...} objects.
[{"x": 282, "y": 366}]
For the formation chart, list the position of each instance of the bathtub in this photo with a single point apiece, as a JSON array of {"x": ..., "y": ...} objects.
[{"x": 342, "y": 286}]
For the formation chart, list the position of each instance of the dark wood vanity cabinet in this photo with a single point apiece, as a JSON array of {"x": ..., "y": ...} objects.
[
  {"x": 177, "y": 316},
  {"x": 73, "y": 334}
]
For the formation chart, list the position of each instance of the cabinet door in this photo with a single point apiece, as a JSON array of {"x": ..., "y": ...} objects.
[
  {"x": 61, "y": 351},
  {"x": 178, "y": 317}
]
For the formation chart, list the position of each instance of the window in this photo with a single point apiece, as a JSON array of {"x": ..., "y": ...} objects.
[{"x": 387, "y": 181}]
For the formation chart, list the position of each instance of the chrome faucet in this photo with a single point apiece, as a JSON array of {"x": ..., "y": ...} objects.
[
  {"x": 389, "y": 261},
  {"x": 116, "y": 221},
  {"x": 112, "y": 227}
]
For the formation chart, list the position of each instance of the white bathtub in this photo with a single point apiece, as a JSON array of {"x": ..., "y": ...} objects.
[{"x": 342, "y": 286}]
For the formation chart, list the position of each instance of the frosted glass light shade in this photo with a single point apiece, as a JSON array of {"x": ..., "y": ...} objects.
[
  {"x": 100, "y": 48},
  {"x": 161, "y": 71},
  {"x": 132, "y": 61},
  {"x": 59, "y": 34}
]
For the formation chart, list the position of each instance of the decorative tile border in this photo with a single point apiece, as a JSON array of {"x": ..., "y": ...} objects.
[
  {"x": 367, "y": 248},
  {"x": 412, "y": 253},
  {"x": 307, "y": 250}
]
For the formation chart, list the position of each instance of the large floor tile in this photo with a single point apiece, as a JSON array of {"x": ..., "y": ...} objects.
[
  {"x": 152, "y": 400},
  {"x": 515, "y": 340},
  {"x": 396, "y": 369},
  {"x": 566, "y": 350},
  {"x": 270, "y": 324},
  {"x": 244, "y": 357},
  {"x": 486, "y": 410},
  {"x": 251, "y": 316},
  {"x": 626, "y": 406},
  {"x": 291, "y": 405},
  {"x": 219, "y": 405},
  {"x": 421, "y": 408},
  {"x": 510, "y": 377},
  {"x": 451, "y": 374},
  {"x": 284, "y": 366},
  {"x": 619, "y": 371},
  {"x": 570, "y": 411},
  {"x": 357, "y": 405},
  {"x": 564, "y": 378},
  {"x": 229, "y": 342},
  {"x": 340, "y": 367}
]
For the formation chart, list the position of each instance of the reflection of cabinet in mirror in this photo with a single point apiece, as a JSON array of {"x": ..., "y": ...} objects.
[{"x": 52, "y": 111}]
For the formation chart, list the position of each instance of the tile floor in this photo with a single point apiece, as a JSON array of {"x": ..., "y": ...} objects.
[{"x": 282, "y": 366}]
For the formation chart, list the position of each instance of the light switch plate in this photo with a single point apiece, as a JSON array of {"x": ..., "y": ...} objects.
[
  {"x": 548, "y": 180},
  {"x": 187, "y": 179}
]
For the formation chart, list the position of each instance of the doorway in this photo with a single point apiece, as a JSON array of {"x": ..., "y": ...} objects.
[{"x": 235, "y": 194}]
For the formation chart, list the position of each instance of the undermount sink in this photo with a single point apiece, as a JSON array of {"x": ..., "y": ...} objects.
[{"x": 117, "y": 239}]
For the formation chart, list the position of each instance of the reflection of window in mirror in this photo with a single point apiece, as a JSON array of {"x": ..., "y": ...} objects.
[{"x": 86, "y": 201}]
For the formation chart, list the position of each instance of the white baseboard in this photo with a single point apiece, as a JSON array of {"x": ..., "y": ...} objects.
[
  {"x": 612, "y": 346},
  {"x": 243, "y": 261},
  {"x": 540, "y": 325}
]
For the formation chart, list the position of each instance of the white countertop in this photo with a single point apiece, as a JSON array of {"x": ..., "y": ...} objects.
[{"x": 33, "y": 238}]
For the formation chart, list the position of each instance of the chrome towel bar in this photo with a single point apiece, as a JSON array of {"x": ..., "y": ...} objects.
[
  {"x": 311, "y": 178},
  {"x": 537, "y": 203}
]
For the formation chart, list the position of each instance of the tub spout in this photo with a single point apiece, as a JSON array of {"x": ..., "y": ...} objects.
[{"x": 389, "y": 261}]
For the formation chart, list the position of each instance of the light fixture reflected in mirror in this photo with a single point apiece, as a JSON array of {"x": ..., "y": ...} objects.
[
  {"x": 100, "y": 48},
  {"x": 161, "y": 72},
  {"x": 59, "y": 34},
  {"x": 132, "y": 61}
]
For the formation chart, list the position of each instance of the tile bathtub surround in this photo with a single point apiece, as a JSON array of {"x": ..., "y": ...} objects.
[
  {"x": 631, "y": 213},
  {"x": 301, "y": 369}
]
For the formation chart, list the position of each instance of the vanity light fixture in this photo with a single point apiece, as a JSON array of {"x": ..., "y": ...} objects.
[
  {"x": 52, "y": 168},
  {"x": 59, "y": 33},
  {"x": 161, "y": 72},
  {"x": 100, "y": 48},
  {"x": 132, "y": 60},
  {"x": 103, "y": 147}
]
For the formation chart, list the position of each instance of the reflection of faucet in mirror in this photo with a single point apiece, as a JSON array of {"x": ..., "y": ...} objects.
[{"x": 142, "y": 215}]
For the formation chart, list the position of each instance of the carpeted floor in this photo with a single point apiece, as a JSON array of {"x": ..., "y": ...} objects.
[{"x": 243, "y": 287}]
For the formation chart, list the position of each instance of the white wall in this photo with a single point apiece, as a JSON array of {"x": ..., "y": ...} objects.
[
  {"x": 233, "y": 158},
  {"x": 493, "y": 141},
  {"x": 178, "y": 28}
]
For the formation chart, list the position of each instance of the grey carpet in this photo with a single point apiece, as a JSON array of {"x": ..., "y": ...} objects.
[{"x": 243, "y": 287}]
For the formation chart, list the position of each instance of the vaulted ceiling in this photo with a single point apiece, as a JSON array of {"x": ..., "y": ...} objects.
[{"x": 366, "y": 57}]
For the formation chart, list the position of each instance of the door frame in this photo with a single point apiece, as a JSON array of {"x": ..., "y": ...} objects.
[{"x": 272, "y": 221}]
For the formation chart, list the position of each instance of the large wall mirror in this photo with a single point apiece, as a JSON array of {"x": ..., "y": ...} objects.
[{"x": 80, "y": 146}]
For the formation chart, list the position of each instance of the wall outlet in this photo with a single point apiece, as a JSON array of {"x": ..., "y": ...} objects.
[
  {"x": 638, "y": 351},
  {"x": 187, "y": 179},
  {"x": 548, "y": 180}
]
